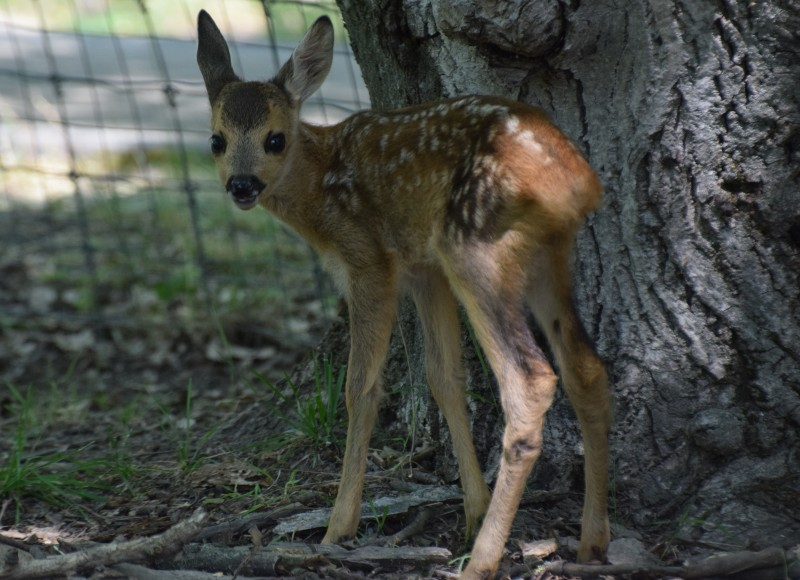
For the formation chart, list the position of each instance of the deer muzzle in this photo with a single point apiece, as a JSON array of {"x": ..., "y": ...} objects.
[{"x": 244, "y": 189}]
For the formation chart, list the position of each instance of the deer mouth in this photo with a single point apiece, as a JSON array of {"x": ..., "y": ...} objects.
[
  {"x": 245, "y": 201},
  {"x": 244, "y": 190}
]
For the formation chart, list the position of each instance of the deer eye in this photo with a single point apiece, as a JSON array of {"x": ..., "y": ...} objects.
[
  {"x": 217, "y": 145},
  {"x": 275, "y": 143}
]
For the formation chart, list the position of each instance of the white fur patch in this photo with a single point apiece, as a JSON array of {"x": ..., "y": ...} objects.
[{"x": 525, "y": 137}]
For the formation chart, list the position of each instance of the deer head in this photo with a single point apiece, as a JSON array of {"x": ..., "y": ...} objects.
[{"x": 255, "y": 125}]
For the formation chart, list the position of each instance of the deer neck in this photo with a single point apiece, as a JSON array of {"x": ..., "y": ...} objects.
[{"x": 297, "y": 197}]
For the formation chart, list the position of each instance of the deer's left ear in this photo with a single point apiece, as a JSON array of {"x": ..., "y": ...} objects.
[
  {"x": 310, "y": 63},
  {"x": 213, "y": 56}
]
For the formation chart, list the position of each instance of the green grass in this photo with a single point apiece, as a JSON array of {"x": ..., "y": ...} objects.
[
  {"x": 460, "y": 562},
  {"x": 379, "y": 515},
  {"x": 188, "y": 446},
  {"x": 318, "y": 416},
  {"x": 259, "y": 498},
  {"x": 146, "y": 248},
  {"x": 70, "y": 478},
  {"x": 121, "y": 465},
  {"x": 57, "y": 478}
]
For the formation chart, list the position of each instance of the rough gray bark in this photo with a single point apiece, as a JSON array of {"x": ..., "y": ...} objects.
[{"x": 687, "y": 278}]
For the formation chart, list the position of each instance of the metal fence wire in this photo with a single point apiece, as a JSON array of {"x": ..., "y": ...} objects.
[{"x": 108, "y": 194}]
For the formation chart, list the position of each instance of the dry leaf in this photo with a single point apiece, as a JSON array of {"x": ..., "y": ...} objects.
[{"x": 539, "y": 549}]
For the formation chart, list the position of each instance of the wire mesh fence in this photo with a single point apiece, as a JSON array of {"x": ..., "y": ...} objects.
[{"x": 109, "y": 203}]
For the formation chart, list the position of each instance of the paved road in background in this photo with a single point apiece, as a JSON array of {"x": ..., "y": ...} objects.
[{"x": 130, "y": 92}]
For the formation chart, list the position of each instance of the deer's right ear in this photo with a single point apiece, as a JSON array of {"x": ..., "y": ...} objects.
[{"x": 213, "y": 56}]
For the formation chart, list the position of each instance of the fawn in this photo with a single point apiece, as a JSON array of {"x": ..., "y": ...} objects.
[{"x": 473, "y": 200}]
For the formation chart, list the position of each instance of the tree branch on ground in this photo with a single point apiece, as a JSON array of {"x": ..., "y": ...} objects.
[
  {"x": 731, "y": 565},
  {"x": 139, "y": 550},
  {"x": 242, "y": 524},
  {"x": 283, "y": 558}
]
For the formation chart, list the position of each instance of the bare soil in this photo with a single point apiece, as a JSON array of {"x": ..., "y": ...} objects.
[
  {"x": 175, "y": 418},
  {"x": 171, "y": 409}
]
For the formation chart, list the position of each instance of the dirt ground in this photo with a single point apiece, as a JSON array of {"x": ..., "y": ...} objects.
[
  {"x": 148, "y": 418},
  {"x": 119, "y": 424}
]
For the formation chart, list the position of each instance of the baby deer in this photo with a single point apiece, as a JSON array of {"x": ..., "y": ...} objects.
[{"x": 475, "y": 200}]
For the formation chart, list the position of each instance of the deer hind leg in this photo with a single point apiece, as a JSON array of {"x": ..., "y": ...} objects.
[
  {"x": 493, "y": 295},
  {"x": 372, "y": 304},
  {"x": 438, "y": 312},
  {"x": 586, "y": 384}
]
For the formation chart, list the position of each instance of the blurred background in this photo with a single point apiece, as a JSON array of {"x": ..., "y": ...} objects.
[
  {"x": 111, "y": 215},
  {"x": 141, "y": 313}
]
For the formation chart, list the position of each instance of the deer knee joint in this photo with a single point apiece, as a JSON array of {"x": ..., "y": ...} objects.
[{"x": 523, "y": 449}]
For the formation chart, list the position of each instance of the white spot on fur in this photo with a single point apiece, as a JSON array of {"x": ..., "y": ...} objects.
[
  {"x": 364, "y": 131},
  {"x": 344, "y": 179},
  {"x": 528, "y": 140},
  {"x": 465, "y": 213},
  {"x": 508, "y": 182},
  {"x": 478, "y": 216},
  {"x": 512, "y": 125},
  {"x": 486, "y": 165},
  {"x": 442, "y": 109},
  {"x": 484, "y": 109}
]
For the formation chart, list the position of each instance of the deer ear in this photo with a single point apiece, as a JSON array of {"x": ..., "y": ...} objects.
[
  {"x": 310, "y": 63},
  {"x": 213, "y": 56}
]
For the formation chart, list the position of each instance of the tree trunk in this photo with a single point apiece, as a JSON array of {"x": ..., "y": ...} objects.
[{"x": 687, "y": 278}]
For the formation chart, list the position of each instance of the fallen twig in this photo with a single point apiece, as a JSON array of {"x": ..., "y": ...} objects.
[
  {"x": 727, "y": 564},
  {"x": 258, "y": 542},
  {"x": 282, "y": 558},
  {"x": 22, "y": 546},
  {"x": 136, "y": 572},
  {"x": 388, "y": 506},
  {"x": 237, "y": 526},
  {"x": 718, "y": 565},
  {"x": 411, "y": 530},
  {"x": 594, "y": 570},
  {"x": 140, "y": 549}
]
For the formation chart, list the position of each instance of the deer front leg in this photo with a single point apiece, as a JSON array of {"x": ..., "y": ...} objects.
[{"x": 372, "y": 303}]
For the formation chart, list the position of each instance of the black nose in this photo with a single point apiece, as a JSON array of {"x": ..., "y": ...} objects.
[{"x": 244, "y": 188}]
